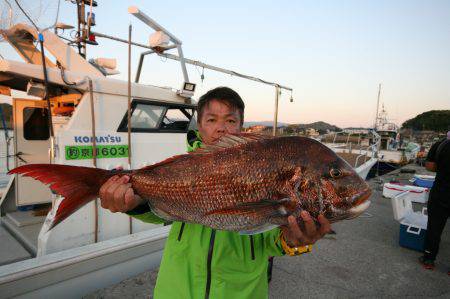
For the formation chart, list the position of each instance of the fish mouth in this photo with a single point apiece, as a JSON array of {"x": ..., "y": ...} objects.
[
  {"x": 359, "y": 209},
  {"x": 360, "y": 198},
  {"x": 360, "y": 203}
]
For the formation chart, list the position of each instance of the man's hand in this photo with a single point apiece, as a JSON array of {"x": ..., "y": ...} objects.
[
  {"x": 117, "y": 195},
  {"x": 296, "y": 237}
]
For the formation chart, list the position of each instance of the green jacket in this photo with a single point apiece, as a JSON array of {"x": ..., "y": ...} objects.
[{"x": 200, "y": 262}]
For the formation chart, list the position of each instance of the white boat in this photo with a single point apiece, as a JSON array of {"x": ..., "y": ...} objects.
[
  {"x": 394, "y": 149},
  {"x": 361, "y": 152},
  {"x": 383, "y": 146},
  {"x": 92, "y": 236},
  {"x": 93, "y": 248}
]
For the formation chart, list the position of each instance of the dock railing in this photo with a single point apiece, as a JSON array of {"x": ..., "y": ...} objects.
[
  {"x": 358, "y": 149},
  {"x": 373, "y": 149}
]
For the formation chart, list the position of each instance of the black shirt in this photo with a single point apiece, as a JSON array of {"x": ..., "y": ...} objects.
[{"x": 440, "y": 154}]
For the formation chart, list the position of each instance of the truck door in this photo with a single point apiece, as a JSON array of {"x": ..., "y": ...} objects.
[{"x": 32, "y": 144}]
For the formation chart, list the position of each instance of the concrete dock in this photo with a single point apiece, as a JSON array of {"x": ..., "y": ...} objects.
[{"x": 364, "y": 260}]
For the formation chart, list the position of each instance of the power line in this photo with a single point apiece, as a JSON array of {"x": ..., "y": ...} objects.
[{"x": 28, "y": 17}]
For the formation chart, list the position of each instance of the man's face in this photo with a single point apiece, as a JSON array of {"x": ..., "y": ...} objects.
[{"x": 218, "y": 119}]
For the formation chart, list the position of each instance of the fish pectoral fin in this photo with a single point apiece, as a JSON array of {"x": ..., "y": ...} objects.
[
  {"x": 164, "y": 215},
  {"x": 272, "y": 207},
  {"x": 258, "y": 230}
]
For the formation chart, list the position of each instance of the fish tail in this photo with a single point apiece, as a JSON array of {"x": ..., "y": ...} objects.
[{"x": 78, "y": 185}]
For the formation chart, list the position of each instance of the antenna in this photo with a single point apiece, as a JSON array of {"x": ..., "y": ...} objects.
[
  {"x": 84, "y": 24},
  {"x": 188, "y": 87}
]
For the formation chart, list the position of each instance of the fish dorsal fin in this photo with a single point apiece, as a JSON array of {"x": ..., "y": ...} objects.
[
  {"x": 165, "y": 162},
  {"x": 224, "y": 142},
  {"x": 231, "y": 140}
]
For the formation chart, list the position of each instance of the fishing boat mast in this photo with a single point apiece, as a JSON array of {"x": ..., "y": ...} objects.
[
  {"x": 84, "y": 24},
  {"x": 378, "y": 106},
  {"x": 188, "y": 87}
]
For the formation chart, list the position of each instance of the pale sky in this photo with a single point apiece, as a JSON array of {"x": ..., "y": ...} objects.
[{"x": 332, "y": 53}]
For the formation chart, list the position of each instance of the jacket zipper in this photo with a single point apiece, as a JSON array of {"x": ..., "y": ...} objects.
[
  {"x": 208, "y": 265},
  {"x": 181, "y": 231},
  {"x": 252, "y": 247}
]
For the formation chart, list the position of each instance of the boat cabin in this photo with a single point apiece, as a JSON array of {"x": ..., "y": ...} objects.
[{"x": 85, "y": 104}]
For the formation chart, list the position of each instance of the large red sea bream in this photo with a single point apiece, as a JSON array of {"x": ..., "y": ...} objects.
[{"x": 245, "y": 183}]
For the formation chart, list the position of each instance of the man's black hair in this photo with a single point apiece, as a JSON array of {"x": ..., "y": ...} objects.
[{"x": 225, "y": 95}]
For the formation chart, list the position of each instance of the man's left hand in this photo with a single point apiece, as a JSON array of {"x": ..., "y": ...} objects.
[{"x": 296, "y": 237}]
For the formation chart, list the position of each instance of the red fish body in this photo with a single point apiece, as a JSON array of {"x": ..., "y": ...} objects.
[{"x": 242, "y": 183}]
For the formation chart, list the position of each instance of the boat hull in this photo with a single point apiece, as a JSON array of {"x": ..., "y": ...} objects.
[{"x": 78, "y": 271}]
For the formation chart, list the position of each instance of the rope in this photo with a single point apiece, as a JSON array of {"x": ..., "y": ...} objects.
[
  {"x": 94, "y": 154},
  {"x": 26, "y": 15},
  {"x": 2, "y": 115},
  {"x": 63, "y": 76},
  {"x": 129, "y": 112}
]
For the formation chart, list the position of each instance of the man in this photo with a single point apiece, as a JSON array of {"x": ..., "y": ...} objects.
[
  {"x": 200, "y": 262},
  {"x": 438, "y": 160}
]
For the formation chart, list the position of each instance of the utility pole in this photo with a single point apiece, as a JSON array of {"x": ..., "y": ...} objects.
[{"x": 275, "y": 117}]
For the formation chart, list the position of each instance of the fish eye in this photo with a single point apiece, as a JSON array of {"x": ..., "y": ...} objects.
[{"x": 335, "y": 173}]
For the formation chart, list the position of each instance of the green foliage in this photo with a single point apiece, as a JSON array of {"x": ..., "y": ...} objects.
[
  {"x": 320, "y": 126},
  {"x": 434, "y": 120}
]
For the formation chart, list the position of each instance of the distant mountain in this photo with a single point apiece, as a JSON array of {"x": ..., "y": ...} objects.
[
  {"x": 357, "y": 128},
  {"x": 320, "y": 126},
  {"x": 263, "y": 123},
  {"x": 434, "y": 120},
  {"x": 7, "y": 114}
]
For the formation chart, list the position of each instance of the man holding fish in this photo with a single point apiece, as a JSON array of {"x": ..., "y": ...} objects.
[
  {"x": 200, "y": 262},
  {"x": 235, "y": 200}
]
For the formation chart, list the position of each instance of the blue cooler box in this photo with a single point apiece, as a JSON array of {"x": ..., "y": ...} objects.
[
  {"x": 425, "y": 181},
  {"x": 413, "y": 229}
]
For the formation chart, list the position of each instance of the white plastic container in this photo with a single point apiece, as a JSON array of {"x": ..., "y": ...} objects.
[
  {"x": 416, "y": 194},
  {"x": 413, "y": 225}
]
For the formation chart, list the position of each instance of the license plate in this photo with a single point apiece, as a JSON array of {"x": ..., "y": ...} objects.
[{"x": 81, "y": 152}]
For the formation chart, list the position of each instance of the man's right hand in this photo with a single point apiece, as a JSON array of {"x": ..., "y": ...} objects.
[{"x": 117, "y": 195}]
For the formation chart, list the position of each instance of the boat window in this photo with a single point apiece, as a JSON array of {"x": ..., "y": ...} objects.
[
  {"x": 148, "y": 116},
  {"x": 175, "y": 119},
  {"x": 35, "y": 123}
]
